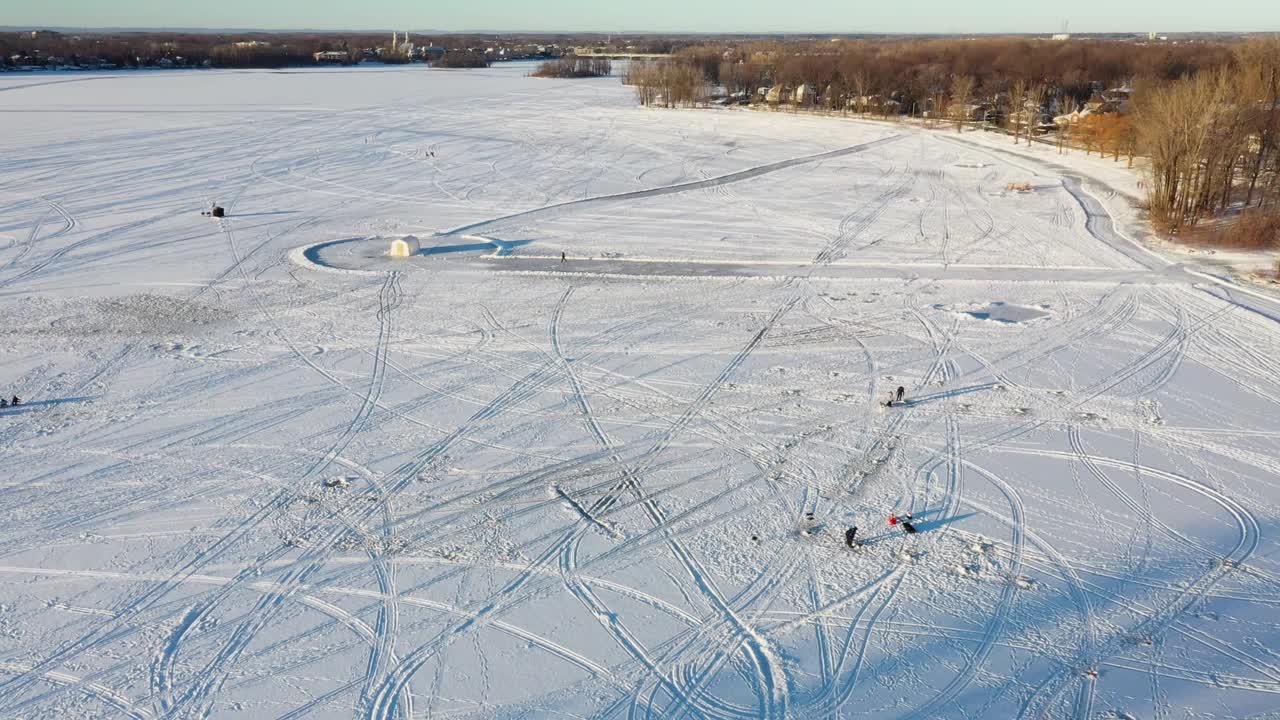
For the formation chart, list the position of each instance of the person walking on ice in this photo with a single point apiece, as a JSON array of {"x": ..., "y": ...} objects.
[
  {"x": 850, "y": 535},
  {"x": 563, "y": 257},
  {"x": 901, "y": 391}
]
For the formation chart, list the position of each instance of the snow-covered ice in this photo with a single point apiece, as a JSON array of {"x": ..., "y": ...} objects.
[{"x": 263, "y": 470}]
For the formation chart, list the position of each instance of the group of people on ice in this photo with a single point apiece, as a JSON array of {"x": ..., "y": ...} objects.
[
  {"x": 15, "y": 402},
  {"x": 810, "y": 525},
  {"x": 896, "y": 397},
  {"x": 903, "y": 521}
]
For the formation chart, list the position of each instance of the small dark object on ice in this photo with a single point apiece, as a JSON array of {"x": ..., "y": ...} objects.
[
  {"x": 15, "y": 401},
  {"x": 849, "y": 536},
  {"x": 563, "y": 257},
  {"x": 217, "y": 212},
  {"x": 904, "y": 521},
  {"x": 4, "y": 403},
  {"x": 901, "y": 391},
  {"x": 755, "y": 538}
]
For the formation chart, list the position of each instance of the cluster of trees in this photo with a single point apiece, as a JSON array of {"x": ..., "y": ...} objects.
[
  {"x": 463, "y": 59},
  {"x": 1213, "y": 138},
  {"x": 252, "y": 49},
  {"x": 575, "y": 67},
  {"x": 668, "y": 83},
  {"x": 126, "y": 50},
  {"x": 258, "y": 56},
  {"x": 915, "y": 73},
  {"x": 1206, "y": 114},
  {"x": 1107, "y": 133}
]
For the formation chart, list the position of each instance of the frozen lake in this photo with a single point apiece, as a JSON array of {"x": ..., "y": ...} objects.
[{"x": 260, "y": 471}]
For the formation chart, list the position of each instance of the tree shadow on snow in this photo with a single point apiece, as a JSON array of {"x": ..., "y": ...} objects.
[
  {"x": 944, "y": 394},
  {"x": 266, "y": 214},
  {"x": 31, "y": 406},
  {"x": 1058, "y": 593},
  {"x": 924, "y": 526}
]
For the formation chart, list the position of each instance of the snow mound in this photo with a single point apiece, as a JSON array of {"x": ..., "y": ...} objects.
[
  {"x": 999, "y": 312},
  {"x": 127, "y": 315}
]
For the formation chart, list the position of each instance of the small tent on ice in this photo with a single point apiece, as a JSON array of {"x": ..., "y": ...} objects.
[{"x": 404, "y": 247}]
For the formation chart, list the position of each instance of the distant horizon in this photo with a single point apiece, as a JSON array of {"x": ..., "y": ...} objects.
[
  {"x": 603, "y": 33},
  {"x": 709, "y": 17}
]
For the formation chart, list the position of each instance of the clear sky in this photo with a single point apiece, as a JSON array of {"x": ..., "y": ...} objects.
[{"x": 834, "y": 16}]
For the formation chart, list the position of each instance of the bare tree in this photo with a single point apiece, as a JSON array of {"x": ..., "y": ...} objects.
[
  {"x": 1033, "y": 101},
  {"x": 1017, "y": 108},
  {"x": 1187, "y": 128},
  {"x": 860, "y": 81},
  {"x": 1259, "y": 79},
  {"x": 961, "y": 97}
]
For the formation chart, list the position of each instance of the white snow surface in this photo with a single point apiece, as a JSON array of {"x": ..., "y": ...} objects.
[{"x": 261, "y": 471}]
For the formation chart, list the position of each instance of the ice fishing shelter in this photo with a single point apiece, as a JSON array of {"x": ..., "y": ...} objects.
[{"x": 403, "y": 247}]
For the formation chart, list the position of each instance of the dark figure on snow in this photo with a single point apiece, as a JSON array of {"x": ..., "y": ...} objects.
[
  {"x": 4, "y": 403},
  {"x": 901, "y": 391},
  {"x": 906, "y": 523},
  {"x": 849, "y": 535},
  {"x": 563, "y": 257},
  {"x": 14, "y": 401}
]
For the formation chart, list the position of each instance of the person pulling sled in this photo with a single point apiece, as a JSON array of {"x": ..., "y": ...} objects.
[{"x": 904, "y": 521}]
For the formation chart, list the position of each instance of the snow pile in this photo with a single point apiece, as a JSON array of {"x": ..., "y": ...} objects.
[{"x": 999, "y": 312}]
